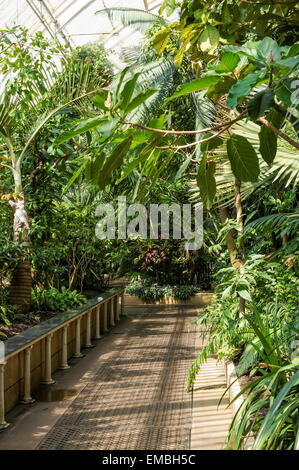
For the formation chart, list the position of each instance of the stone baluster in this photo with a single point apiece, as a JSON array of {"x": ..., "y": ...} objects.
[
  {"x": 98, "y": 322},
  {"x": 64, "y": 364},
  {"x": 88, "y": 343},
  {"x": 3, "y": 423},
  {"x": 27, "y": 398},
  {"x": 78, "y": 339},
  {"x": 112, "y": 322},
  {"x": 105, "y": 323},
  {"x": 48, "y": 365}
]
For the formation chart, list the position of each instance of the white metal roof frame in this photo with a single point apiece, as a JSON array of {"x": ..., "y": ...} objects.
[{"x": 71, "y": 22}]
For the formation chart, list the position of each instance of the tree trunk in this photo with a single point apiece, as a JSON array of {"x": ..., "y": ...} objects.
[
  {"x": 241, "y": 247},
  {"x": 21, "y": 282},
  {"x": 231, "y": 244}
]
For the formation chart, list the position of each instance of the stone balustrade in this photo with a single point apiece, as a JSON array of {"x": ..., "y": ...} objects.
[{"x": 32, "y": 356}]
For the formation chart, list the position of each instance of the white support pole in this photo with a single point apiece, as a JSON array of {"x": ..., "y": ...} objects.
[
  {"x": 105, "y": 318},
  {"x": 98, "y": 322},
  {"x": 3, "y": 423},
  {"x": 78, "y": 339},
  {"x": 48, "y": 365},
  {"x": 112, "y": 322},
  {"x": 88, "y": 330},
  {"x": 27, "y": 398},
  {"x": 64, "y": 364},
  {"x": 122, "y": 303}
]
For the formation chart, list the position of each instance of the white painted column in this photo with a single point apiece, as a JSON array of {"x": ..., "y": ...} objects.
[
  {"x": 105, "y": 317},
  {"x": 112, "y": 322},
  {"x": 64, "y": 363},
  {"x": 48, "y": 365},
  {"x": 27, "y": 398},
  {"x": 98, "y": 322},
  {"x": 88, "y": 330},
  {"x": 118, "y": 306},
  {"x": 78, "y": 339},
  {"x": 3, "y": 423},
  {"x": 122, "y": 303}
]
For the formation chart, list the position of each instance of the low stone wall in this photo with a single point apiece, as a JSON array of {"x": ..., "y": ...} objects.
[
  {"x": 199, "y": 300},
  {"x": 50, "y": 344}
]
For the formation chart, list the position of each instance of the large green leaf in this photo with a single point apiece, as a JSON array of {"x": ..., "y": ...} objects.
[
  {"x": 139, "y": 99},
  {"x": 226, "y": 16},
  {"x": 260, "y": 103},
  {"x": 243, "y": 158},
  {"x": 195, "y": 85},
  {"x": 243, "y": 87},
  {"x": 209, "y": 39},
  {"x": 100, "y": 98},
  {"x": 160, "y": 40},
  {"x": 206, "y": 182},
  {"x": 104, "y": 125},
  {"x": 128, "y": 90},
  {"x": 167, "y": 6},
  {"x": 113, "y": 161},
  {"x": 267, "y": 138},
  {"x": 266, "y": 47},
  {"x": 228, "y": 62},
  {"x": 210, "y": 144},
  {"x": 244, "y": 294},
  {"x": 268, "y": 144}
]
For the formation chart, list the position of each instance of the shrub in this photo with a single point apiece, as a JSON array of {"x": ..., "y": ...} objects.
[
  {"x": 184, "y": 292},
  {"x": 53, "y": 300},
  {"x": 147, "y": 290}
]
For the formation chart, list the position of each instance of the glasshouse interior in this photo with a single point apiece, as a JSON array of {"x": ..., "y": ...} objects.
[{"x": 149, "y": 166}]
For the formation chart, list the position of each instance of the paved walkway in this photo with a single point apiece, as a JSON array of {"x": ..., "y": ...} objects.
[{"x": 133, "y": 393}]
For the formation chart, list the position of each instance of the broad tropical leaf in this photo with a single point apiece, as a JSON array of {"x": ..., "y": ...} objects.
[
  {"x": 113, "y": 161},
  {"x": 243, "y": 158},
  {"x": 195, "y": 85},
  {"x": 206, "y": 182}
]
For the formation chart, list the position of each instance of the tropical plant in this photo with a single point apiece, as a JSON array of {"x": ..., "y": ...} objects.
[
  {"x": 269, "y": 412},
  {"x": 54, "y": 300},
  {"x": 146, "y": 290},
  {"x": 37, "y": 93}
]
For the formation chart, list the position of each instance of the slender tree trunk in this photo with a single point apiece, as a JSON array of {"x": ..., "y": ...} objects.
[
  {"x": 230, "y": 242},
  {"x": 232, "y": 246},
  {"x": 21, "y": 282}
]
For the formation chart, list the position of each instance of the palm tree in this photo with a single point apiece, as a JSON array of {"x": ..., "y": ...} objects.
[{"x": 70, "y": 91}]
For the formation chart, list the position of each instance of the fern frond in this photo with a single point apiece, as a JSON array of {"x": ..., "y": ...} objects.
[
  {"x": 140, "y": 20},
  {"x": 287, "y": 223}
]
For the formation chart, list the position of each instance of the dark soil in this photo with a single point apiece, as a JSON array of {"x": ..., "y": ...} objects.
[{"x": 28, "y": 321}]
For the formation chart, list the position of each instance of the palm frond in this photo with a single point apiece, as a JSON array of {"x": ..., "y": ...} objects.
[
  {"x": 71, "y": 93},
  {"x": 130, "y": 55},
  {"x": 284, "y": 171},
  {"x": 288, "y": 223}
]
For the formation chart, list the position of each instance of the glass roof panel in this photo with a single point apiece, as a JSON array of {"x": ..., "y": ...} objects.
[{"x": 71, "y": 21}]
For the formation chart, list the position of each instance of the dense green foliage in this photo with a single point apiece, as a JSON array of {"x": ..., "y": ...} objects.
[
  {"x": 207, "y": 112},
  {"x": 53, "y": 300},
  {"x": 147, "y": 290}
]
